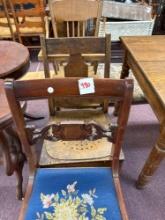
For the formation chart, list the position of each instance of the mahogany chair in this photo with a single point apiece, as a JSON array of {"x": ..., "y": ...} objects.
[
  {"x": 71, "y": 193},
  {"x": 73, "y": 16},
  {"x": 7, "y": 26},
  {"x": 76, "y": 53},
  {"x": 29, "y": 18}
]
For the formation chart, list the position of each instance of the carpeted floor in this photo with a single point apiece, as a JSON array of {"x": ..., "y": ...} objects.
[{"x": 141, "y": 134}]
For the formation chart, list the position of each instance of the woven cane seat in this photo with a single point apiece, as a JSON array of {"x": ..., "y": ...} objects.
[
  {"x": 4, "y": 28},
  {"x": 5, "y": 31},
  {"x": 66, "y": 152},
  {"x": 32, "y": 29}
]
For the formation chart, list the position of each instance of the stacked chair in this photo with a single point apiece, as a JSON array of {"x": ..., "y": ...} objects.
[
  {"x": 77, "y": 192},
  {"x": 75, "y": 54},
  {"x": 29, "y": 18},
  {"x": 81, "y": 151}
]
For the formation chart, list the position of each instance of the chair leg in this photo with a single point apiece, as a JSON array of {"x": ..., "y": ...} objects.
[
  {"x": 105, "y": 106},
  {"x": 20, "y": 39},
  {"x": 55, "y": 66},
  {"x": 116, "y": 109},
  {"x": 18, "y": 172},
  {"x": 51, "y": 107},
  {"x": 95, "y": 65}
]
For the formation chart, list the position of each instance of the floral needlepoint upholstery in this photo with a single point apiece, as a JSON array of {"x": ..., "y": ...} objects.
[{"x": 73, "y": 194}]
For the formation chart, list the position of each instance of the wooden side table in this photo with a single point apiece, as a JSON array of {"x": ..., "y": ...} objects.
[
  {"x": 13, "y": 157},
  {"x": 14, "y": 63},
  {"x": 14, "y": 60}
]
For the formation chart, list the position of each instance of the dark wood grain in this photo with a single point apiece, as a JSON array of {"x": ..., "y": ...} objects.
[{"x": 103, "y": 87}]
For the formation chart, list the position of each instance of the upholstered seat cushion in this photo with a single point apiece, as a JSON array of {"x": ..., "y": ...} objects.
[{"x": 73, "y": 194}]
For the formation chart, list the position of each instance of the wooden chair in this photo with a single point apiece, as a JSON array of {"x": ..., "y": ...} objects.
[
  {"x": 29, "y": 18},
  {"x": 7, "y": 26},
  {"x": 73, "y": 16},
  {"x": 71, "y": 193},
  {"x": 77, "y": 52}
]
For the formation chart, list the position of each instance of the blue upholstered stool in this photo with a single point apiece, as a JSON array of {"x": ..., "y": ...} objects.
[{"x": 73, "y": 194}]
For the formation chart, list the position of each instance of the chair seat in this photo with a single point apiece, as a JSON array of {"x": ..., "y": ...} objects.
[
  {"x": 5, "y": 31},
  {"x": 138, "y": 95},
  {"x": 31, "y": 30},
  {"x": 73, "y": 194},
  {"x": 65, "y": 153},
  {"x": 5, "y": 21}
]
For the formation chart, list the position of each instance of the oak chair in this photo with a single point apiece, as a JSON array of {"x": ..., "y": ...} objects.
[
  {"x": 7, "y": 26},
  {"x": 73, "y": 16},
  {"x": 76, "y": 53},
  {"x": 71, "y": 193},
  {"x": 29, "y": 17}
]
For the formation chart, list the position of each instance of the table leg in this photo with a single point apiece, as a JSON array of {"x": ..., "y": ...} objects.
[
  {"x": 152, "y": 163},
  {"x": 13, "y": 157},
  {"x": 124, "y": 74},
  {"x": 125, "y": 67}
]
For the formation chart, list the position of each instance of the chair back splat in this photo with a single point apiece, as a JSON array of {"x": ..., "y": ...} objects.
[
  {"x": 83, "y": 49},
  {"x": 116, "y": 91}
]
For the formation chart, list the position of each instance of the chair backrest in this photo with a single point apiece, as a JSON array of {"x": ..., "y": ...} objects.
[
  {"x": 117, "y": 90},
  {"x": 5, "y": 21},
  {"x": 28, "y": 14},
  {"x": 78, "y": 51},
  {"x": 75, "y": 14}
]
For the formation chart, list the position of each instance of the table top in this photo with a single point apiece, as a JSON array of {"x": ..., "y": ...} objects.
[
  {"x": 5, "y": 115},
  {"x": 146, "y": 48},
  {"x": 14, "y": 59},
  {"x": 149, "y": 54}
]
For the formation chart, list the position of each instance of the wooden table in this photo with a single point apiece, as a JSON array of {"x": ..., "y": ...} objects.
[
  {"x": 14, "y": 63},
  {"x": 14, "y": 60},
  {"x": 13, "y": 157},
  {"x": 145, "y": 56}
]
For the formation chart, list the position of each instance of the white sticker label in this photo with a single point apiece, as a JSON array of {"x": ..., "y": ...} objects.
[{"x": 86, "y": 86}]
